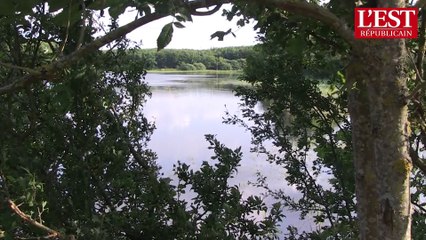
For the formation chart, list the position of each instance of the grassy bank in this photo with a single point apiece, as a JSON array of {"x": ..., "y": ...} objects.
[{"x": 173, "y": 70}]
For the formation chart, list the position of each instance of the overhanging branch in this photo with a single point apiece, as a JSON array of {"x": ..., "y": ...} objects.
[
  {"x": 32, "y": 222},
  {"x": 315, "y": 12},
  {"x": 44, "y": 72}
]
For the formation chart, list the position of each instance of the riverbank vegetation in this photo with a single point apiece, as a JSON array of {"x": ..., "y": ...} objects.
[{"x": 227, "y": 59}]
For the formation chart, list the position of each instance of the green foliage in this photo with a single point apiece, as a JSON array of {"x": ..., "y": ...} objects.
[
  {"x": 165, "y": 36},
  {"x": 299, "y": 120},
  {"x": 199, "y": 66},
  {"x": 231, "y": 58},
  {"x": 186, "y": 67},
  {"x": 307, "y": 125},
  {"x": 191, "y": 67},
  {"x": 219, "y": 211},
  {"x": 297, "y": 77},
  {"x": 73, "y": 151},
  {"x": 222, "y": 64}
]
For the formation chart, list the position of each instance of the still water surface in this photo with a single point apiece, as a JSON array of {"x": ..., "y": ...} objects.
[{"x": 184, "y": 108}]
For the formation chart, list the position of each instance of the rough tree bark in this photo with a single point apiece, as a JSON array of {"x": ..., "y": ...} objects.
[{"x": 378, "y": 111}]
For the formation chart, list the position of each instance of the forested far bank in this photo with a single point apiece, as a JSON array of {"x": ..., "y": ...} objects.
[{"x": 229, "y": 58}]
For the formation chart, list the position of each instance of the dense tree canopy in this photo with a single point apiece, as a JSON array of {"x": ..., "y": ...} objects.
[
  {"x": 74, "y": 161},
  {"x": 367, "y": 80},
  {"x": 230, "y": 58}
]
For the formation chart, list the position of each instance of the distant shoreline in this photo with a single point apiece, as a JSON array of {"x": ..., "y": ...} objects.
[{"x": 208, "y": 71}]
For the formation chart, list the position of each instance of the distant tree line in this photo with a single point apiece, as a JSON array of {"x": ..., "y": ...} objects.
[{"x": 230, "y": 58}]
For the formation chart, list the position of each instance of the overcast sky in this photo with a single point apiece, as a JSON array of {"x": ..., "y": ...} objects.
[{"x": 196, "y": 34}]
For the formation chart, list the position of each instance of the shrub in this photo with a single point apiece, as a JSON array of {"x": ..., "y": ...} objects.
[
  {"x": 199, "y": 66},
  {"x": 186, "y": 67}
]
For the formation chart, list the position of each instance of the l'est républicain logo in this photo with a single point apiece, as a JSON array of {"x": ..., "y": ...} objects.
[{"x": 386, "y": 22}]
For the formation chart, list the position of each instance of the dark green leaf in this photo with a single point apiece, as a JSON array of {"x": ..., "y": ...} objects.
[
  {"x": 184, "y": 16},
  {"x": 55, "y": 5},
  {"x": 165, "y": 36},
  {"x": 296, "y": 46},
  {"x": 178, "y": 25},
  {"x": 7, "y": 8},
  {"x": 99, "y": 5},
  {"x": 117, "y": 10},
  {"x": 219, "y": 34}
]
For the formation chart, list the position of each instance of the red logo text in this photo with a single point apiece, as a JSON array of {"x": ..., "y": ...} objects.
[{"x": 386, "y": 23}]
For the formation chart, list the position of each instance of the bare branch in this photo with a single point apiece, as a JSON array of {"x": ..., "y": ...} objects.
[
  {"x": 416, "y": 90},
  {"x": 29, "y": 220},
  {"x": 419, "y": 207}
]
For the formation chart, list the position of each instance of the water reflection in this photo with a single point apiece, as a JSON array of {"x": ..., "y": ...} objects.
[{"x": 185, "y": 108}]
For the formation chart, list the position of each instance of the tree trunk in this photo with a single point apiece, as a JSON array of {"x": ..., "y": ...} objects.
[{"x": 378, "y": 112}]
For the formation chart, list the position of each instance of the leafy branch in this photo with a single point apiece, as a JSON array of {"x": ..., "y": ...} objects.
[
  {"x": 26, "y": 218},
  {"x": 316, "y": 12},
  {"x": 47, "y": 71}
]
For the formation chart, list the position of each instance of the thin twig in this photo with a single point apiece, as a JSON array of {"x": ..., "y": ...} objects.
[
  {"x": 421, "y": 83},
  {"x": 83, "y": 25},
  {"x": 419, "y": 163},
  {"x": 421, "y": 208},
  {"x": 62, "y": 47},
  {"x": 419, "y": 76}
]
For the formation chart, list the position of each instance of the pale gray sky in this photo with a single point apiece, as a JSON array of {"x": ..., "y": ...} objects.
[{"x": 196, "y": 34}]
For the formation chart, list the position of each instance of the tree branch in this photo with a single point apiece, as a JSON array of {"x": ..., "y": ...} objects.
[
  {"x": 43, "y": 72},
  {"x": 316, "y": 12},
  {"x": 420, "y": 164},
  {"x": 215, "y": 9},
  {"x": 47, "y": 237},
  {"x": 420, "y": 3},
  {"x": 28, "y": 219}
]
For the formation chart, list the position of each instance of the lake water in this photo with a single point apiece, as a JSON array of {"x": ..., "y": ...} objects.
[{"x": 184, "y": 108}]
